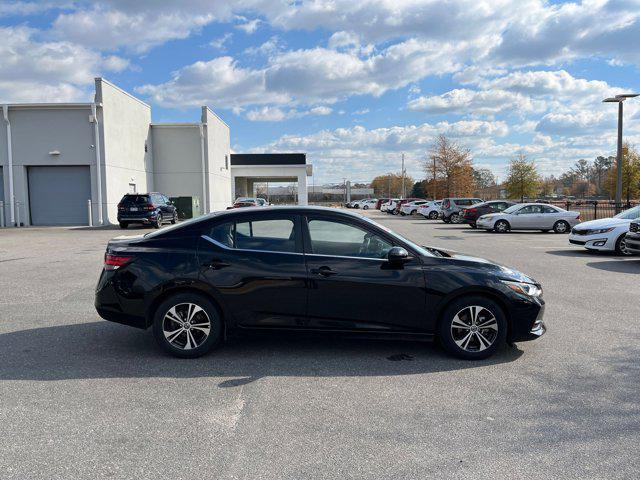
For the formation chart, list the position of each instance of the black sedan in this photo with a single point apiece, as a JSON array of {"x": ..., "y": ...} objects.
[
  {"x": 471, "y": 214},
  {"x": 310, "y": 269}
]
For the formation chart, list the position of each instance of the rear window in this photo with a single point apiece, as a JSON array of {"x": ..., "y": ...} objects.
[{"x": 136, "y": 199}]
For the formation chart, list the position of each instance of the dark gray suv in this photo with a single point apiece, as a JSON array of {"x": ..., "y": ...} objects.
[
  {"x": 452, "y": 208},
  {"x": 146, "y": 208}
]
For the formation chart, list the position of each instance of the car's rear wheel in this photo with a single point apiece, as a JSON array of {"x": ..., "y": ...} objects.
[
  {"x": 446, "y": 219},
  {"x": 621, "y": 246},
  {"x": 187, "y": 325},
  {"x": 174, "y": 219},
  {"x": 433, "y": 215},
  {"x": 413, "y": 212},
  {"x": 473, "y": 225},
  {"x": 561, "y": 227},
  {"x": 366, "y": 207},
  {"x": 472, "y": 328},
  {"x": 502, "y": 226},
  {"x": 124, "y": 225},
  {"x": 455, "y": 218}
]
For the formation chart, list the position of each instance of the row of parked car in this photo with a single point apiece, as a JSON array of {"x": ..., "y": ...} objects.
[{"x": 620, "y": 234}]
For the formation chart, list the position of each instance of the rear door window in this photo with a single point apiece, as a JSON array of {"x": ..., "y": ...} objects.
[{"x": 275, "y": 235}]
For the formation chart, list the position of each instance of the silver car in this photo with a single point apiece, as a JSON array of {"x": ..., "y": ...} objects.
[{"x": 530, "y": 216}]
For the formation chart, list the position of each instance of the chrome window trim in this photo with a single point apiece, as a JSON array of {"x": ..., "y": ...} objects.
[{"x": 223, "y": 246}]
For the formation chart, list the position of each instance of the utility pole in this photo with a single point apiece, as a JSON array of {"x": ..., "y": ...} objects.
[
  {"x": 403, "y": 188},
  {"x": 435, "y": 187},
  {"x": 389, "y": 178},
  {"x": 619, "y": 99}
]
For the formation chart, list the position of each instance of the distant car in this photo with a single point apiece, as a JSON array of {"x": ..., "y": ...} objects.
[
  {"x": 351, "y": 204},
  {"x": 411, "y": 208},
  {"x": 632, "y": 239},
  {"x": 243, "y": 202},
  {"x": 452, "y": 208},
  {"x": 389, "y": 206},
  {"x": 368, "y": 203},
  {"x": 471, "y": 214},
  {"x": 606, "y": 234},
  {"x": 152, "y": 209},
  {"x": 380, "y": 202},
  {"x": 530, "y": 216},
  {"x": 401, "y": 202},
  {"x": 431, "y": 209}
]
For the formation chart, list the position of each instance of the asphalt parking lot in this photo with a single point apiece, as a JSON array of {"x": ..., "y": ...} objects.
[{"x": 84, "y": 398}]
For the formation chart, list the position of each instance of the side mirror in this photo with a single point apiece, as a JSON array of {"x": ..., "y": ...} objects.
[{"x": 398, "y": 256}]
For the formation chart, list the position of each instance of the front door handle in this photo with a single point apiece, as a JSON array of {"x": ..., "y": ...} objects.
[
  {"x": 324, "y": 271},
  {"x": 215, "y": 265}
]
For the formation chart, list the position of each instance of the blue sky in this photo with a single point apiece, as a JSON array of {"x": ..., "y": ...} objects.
[{"x": 353, "y": 84}]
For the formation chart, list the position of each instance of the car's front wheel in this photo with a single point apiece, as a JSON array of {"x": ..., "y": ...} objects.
[
  {"x": 455, "y": 218},
  {"x": 472, "y": 328},
  {"x": 561, "y": 227},
  {"x": 187, "y": 325},
  {"x": 621, "y": 246},
  {"x": 501, "y": 226},
  {"x": 433, "y": 215}
]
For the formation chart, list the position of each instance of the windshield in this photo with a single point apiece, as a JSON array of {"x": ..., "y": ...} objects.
[
  {"x": 630, "y": 214},
  {"x": 512, "y": 209},
  {"x": 418, "y": 248}
]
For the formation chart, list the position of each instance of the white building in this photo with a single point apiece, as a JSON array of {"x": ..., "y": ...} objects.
[{"x": 55, "y": 157}]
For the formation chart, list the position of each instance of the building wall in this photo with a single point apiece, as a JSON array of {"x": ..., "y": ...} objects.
[
  {"x": 218, "y": 154},
  {"x": 36, "y": 131},
  {"x": 177, "y": 160},
  {"x": 125, "y": 130},
  {"x": 4, "y": 163}
]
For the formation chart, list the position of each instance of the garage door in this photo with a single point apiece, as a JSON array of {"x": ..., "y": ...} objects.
[{"x": 58, "y": 195}]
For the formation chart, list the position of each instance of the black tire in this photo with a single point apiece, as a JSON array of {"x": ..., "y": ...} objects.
[
  {"x": 501, "y": 226},
  {"x": 178, "y": 347},
  {"x": 473, "y": 225},
  {"x": 489, "y": 314},
  {"x": 157, "y": 223},
  {"x": 366, "y": 207},
  {"x": 561, "y": 227},
  {"x": 174, "y": 219},
  {"x": 124, "y": 225},
  {"x": 413, "y": 212},
  {"x": 402, "y": 213},
  {"x": 455, "y": 218},
  {"x": 621, "y": 246},
  {"x": 433, "y": 215},
  {"x": 446, "y": 219}
]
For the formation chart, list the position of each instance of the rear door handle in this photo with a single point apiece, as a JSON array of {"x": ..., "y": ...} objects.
[
  {"x": 324, "y": 271},
  {"x": 215, "y": 265}
]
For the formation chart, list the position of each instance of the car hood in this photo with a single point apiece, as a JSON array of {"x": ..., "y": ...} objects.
[
  {"x": 487, "y": 266},
  {"x": 604, "y": 223}
]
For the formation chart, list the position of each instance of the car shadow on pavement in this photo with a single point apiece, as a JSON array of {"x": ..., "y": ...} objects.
[
  {"x": 105, "y": 350},
  {"x": 580, "y": 253},
  {"x": 620, "y": 266}
]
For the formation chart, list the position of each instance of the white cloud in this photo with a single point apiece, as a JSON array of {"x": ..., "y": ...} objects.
[
  {"x": 220, "y": 43},
  {"x": 487, "y": 102},
  {"x": 276, "y": 114},
  {"x": 249, "y": 26},
  {"x": 31, "y": 70}
]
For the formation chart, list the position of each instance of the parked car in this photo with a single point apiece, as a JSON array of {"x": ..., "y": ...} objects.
[
  {"x": 411, "y": 208},
  {"x": 632, "y": 238},
  {"x": 146, "y": 208},
  {"x": 243, "y": 202},
  {"x": 530, "y": 216},
  {"x": 380, "y": 202},
  {"x": 351, "y": 204},
  {"x": 310, "y": 269},
  {"x": 389, "y": 206},
  {"x": 605, "y": 234},
  {"x": 401, "y": 202},
  {"x": 368, "y": 203},
  {"x": 472, "y": 213},
  {"x": 452, "y": 208},
  {"x": 431, "y": 209}
]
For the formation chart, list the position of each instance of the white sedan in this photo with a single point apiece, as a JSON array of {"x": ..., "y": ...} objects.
[
  {"x": 530, "y": 216},
  {"x": 411, "y": 208},
  {"x": 430, "y": 209},
  {"x": 367, "y": 204},
  {"x": 606, "y": 234},
  {"x": 388, "y": 206}
]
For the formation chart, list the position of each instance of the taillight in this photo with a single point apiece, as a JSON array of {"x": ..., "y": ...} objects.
[
  {"x": 120, "y": 206},
  {"x": 471, "y": 210},
  {"x": 113, "y": 262},
  {"x": 148, "y": 206}
]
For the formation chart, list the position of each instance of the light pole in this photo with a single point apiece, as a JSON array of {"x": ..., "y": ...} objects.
[
  {"x": 403, "y": 190},
  {"x": 619, "y": 99}
]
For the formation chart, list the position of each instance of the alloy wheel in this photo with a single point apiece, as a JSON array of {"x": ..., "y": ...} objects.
[
  {"x": 474, "y": 328},
  {"x": 186, "y": 326}
]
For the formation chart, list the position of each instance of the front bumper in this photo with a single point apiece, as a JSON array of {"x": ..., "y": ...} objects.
[
  {"x": 484, "y": 223},
  {"x": 527, "y": 320},
  {"x": 592, "y": 242}
]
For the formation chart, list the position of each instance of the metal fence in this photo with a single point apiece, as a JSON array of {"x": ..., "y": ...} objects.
[{"x": 593, "y": 210}]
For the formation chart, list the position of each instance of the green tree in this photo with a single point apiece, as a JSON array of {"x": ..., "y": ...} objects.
[
  {"x": 418, "y": 190},
  {"x": 523, "y": 178},
  {"x": 630, "y": 174},
  {"x": 484, "y": 179}
]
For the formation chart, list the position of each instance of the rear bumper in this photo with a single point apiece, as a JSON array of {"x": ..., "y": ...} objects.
[
  {"x": 109, "y": 306},
  {"x": 143, "y": 218}
]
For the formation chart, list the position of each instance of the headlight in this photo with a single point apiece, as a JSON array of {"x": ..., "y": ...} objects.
[
  {"x": 522, "y": 288},
  {"x": 600, "y": 230},
  {"x": 485, "y": 217}
]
